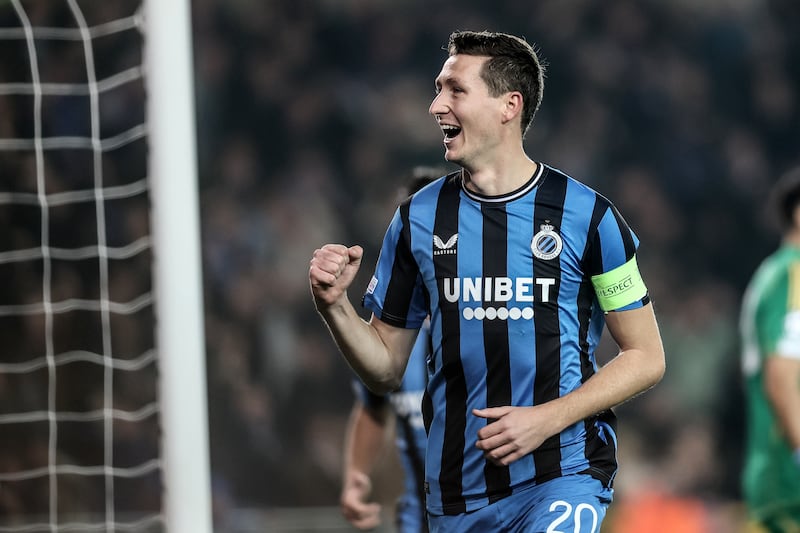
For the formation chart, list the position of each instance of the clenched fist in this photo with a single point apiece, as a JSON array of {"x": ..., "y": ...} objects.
[{"x": 333, "y": 268}]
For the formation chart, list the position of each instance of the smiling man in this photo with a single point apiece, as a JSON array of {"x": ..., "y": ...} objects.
[{"x": 520, "y": 267}]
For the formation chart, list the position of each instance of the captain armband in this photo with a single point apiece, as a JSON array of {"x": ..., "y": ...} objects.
[{"x": 619, "y": 287}]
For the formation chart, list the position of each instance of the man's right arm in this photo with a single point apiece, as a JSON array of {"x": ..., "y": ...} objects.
[{"x": 375, "y": 350}]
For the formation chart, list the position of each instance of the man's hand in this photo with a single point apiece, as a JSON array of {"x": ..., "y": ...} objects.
[
  {"x": 333, "y": 268},
  {"x": 513, "y": 432},
  {"x": 355, "y": 505}
]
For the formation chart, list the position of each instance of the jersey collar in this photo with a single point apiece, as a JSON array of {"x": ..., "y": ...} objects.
[{"x": 510, "y": 197}]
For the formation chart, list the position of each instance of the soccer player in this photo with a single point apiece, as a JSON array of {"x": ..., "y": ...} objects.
[
  {"x": 770, "y": 326},
  {"x": 519, "y": 267},
  {"x": 369, "y": 420}
]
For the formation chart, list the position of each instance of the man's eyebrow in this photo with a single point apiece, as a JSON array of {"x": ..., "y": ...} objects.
[{"x": 445, "y": 80}]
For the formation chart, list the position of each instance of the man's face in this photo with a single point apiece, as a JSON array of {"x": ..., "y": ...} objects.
[{"x": 469, "y": 117}]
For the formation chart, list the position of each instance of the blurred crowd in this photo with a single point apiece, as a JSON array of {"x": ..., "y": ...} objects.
[{"x": 311, "y": 113}]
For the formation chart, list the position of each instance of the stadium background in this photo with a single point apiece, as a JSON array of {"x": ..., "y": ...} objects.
[{"x": 311, "y": 112}]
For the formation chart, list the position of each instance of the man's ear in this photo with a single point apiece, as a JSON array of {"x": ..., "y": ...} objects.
[{"x": 512, "y": 106}]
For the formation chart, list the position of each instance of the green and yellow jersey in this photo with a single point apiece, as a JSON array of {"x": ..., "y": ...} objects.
[{"x": 770, "y": 325}]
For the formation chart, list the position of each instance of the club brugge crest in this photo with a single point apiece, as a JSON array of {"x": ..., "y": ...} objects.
[{"x": 547, "y": 243}]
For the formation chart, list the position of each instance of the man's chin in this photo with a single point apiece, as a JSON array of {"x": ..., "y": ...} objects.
[{"x": 451, "y": 155}]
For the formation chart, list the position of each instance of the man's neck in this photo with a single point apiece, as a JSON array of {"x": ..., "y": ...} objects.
[{"x": 499, "y": 180}]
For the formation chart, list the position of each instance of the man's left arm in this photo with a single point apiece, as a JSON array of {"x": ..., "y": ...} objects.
[{"x": 638, "y": 366}]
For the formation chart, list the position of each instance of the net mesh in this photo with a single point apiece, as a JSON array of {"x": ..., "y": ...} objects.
[{"x": 78, "y": 390}]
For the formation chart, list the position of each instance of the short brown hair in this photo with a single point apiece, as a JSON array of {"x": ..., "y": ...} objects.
[{"x": 513, "y": 65}]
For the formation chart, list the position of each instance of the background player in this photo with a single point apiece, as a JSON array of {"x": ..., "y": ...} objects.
[
  {"x": 770, "y": 326},
  {"x": 364, "y": 444},
  {"x": 368, "y": 423}
]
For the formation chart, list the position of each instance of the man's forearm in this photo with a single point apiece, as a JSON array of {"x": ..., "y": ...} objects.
[
  {"x": 362, "y": 347},
  {"x": 629, "y": 374}
]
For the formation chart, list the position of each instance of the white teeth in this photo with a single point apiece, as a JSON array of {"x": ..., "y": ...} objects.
[{"x": 450, "y": 131}]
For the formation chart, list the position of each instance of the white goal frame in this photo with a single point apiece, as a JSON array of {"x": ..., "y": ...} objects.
[{"x": 177, "y": 265}]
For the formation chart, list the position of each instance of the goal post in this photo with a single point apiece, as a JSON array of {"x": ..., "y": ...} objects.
[{"x": 177, "y": 265}]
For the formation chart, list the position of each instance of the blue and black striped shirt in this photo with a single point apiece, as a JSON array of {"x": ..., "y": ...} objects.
[{"x": 514, "y": 321}]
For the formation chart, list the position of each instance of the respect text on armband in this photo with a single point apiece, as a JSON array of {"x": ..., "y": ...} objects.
[{"x": 617, "y": 288}]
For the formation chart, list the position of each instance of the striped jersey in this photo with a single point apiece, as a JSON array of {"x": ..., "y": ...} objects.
[
  {"x": 406, "y": 404},
  {"x": 770, "y": 324},
  {"x": 515, "y": 320}
]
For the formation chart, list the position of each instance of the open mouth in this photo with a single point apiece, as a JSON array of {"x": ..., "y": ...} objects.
[{"x": 450, "y": 132}]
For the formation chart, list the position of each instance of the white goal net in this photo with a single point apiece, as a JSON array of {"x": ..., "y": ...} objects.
[{"x": 81, "y": 413}]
